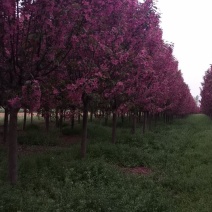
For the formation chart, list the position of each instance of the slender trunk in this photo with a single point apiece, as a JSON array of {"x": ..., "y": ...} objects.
[
  {"x": 91, "y": 116},
  {"x": 129, "y": 116},
  {"x": 50, "y": 116},
  {"x": 79, "y": 118},
  {"x": 47, "y": 120},
  {"x": 164, "y": 118},
  {"x": 25, "y": 116},
  {"x": 155, "y": 120},
  {"x": 64, "y": 115},
  {"x": 144, "y": 122},
  {"x": 13, "y": 148},
  {"x": 139, "y": 117},
  {"x": 167, "y": 118},
  {"x": 61, "y": 118},
  {"x": 6, "y": 120},
  {"x": 133, "y": 124},
  {"x": 84, "y": 128},
  {"x": 72, "y": 119},
  {"x": 56, "y": 117},
  {"x": 31, "y": 117},
  {"x": 114, "y": 127},
  {"x": 149, "y": 121},
  {"x": 122, "y": 118},
  {"x": 106, "y": 119}
]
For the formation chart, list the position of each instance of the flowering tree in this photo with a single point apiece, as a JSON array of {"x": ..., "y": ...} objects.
[
  {"x": 64, "y": 54},
  {"x": 206, "y": 95},
  {"x": 33, "y": 45}
]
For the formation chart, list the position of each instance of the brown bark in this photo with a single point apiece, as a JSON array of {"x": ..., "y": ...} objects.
[
  {"x": 134, "y": 123},
  {"x": 31, "y": 117},
  {"x": 13, "y": 148},
  {"x": 114, "y": 127},
  {"x": 64, "y": 115},
  {"x": 106, "y": 119},
  {"x": 6, "y": 120},
  {"x": 129, "y": 116},
  {"x": 167, "y": 118},
  {"x": 91, "y": 116},
  {"x": 144, "y": 122},
  {"x": 79, "y": 118},
  {"x": 25, "y": 115},
  {"x": 56, "y": 117},
  {"x": 164, "y": 118},
  {"x": 72, "y": 119},
  {"x": 122, "y": 118},
  {"x": 61, "y": 118},
  {"x": 139, "y": 117},
  {"x": 84, "y": 127},
  {"x": 155, "y": 120},
  {"x": 47, "y": 120},
  {"x": 149, "y": 121}
]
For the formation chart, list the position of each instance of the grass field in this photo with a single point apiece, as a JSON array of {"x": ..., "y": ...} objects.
[{"x": 177, "y": 157}]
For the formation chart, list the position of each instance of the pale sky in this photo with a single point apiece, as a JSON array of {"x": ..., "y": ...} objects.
[{"x": 188, "y": 24}]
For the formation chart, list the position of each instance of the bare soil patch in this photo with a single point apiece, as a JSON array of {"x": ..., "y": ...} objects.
[{"x": 64, "y": 143}]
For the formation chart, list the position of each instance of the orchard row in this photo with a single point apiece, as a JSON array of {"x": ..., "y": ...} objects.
[
  {"x": 206, "y": 94},
  {"x": 86, "y": 55}
]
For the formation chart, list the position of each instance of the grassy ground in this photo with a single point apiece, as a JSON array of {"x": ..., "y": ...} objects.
[{"x": 179, "y": 157}]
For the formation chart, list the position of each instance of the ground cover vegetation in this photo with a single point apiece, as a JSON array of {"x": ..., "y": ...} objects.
[
  {"x": 67, "y": 58},
  {"x": 165, "y": 169}
]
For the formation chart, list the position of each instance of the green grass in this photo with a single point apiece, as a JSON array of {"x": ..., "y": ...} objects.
[
  {"x": 179, "y": 155},
  {"x": 35, "y": 135}
]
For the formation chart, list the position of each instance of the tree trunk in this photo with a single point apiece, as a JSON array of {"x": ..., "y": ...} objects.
[
  {"x": 144, "y": 122},
  {"x": 139, "y": 116},
  {"x": 167, "y": 118},
  {"x": 72, "y": 120},
  {"x": 122, "y": 118},
  {"x": 13, "y": 148},
  {"x": 61, "y": 118},
  {"x": 25, "y": 115},
  {"x": 133, "y": 124},
  {"x": 114, "y": 127},
  {"x": 164, "y": 118},
  {"x": 155, "y": 120},
  {"x": 106, "y": 119},
  {"x": 84, "y": 127},
  {"x": 91, "y": 116},
  {"x": 6, "y": 120},
  {"x": 149, "y": 121},
  {"x": 64, "y": 115},
  {"x": 56, "y": 117},
  {"x": 79, "y": 118},
  {"x": 31, "y": 117},
  {"x": 47, "y": 120},
  {"x": 129, "y": 116}
]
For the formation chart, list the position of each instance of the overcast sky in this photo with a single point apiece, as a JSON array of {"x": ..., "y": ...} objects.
[{"x": 188, "y": 24}]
